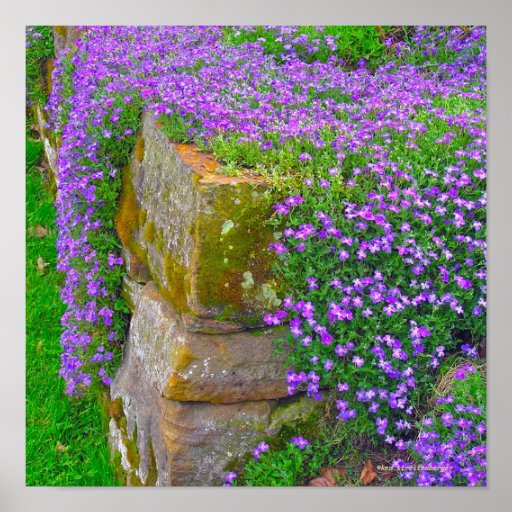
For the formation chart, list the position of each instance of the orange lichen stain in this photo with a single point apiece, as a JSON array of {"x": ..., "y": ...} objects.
[
  {"x": 127, "y": 217},
  {"x": 222, "y": 179},
  {"x": 115, "y": 408},
  {"x": 206, "y": 166},
  {"x": 175, "y": 379},
  {"x": 200, "y": 161},
  {"x": 176, "y": 387}
]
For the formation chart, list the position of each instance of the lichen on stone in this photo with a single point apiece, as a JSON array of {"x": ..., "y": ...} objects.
[
  {"x": 226, "y": 227},
  {"x": 248, "y": 281}
]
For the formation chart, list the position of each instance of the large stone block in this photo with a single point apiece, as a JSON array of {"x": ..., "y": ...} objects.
[
  {"x": 187, "y": 365},
  {"x": 168, "y": 443},
  {"x": 201, "y": 234}
]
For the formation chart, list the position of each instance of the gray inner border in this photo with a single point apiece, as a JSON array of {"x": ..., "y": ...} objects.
[{"x": 495, "y": 14}]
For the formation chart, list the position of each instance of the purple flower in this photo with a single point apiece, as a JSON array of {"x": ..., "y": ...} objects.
[
  {"x": 312, "y": 284},
  {"x": 343, "y": 255},
  {"x": 469, "y": 350},
  {"x": 281, "y": 209},
  {"x": 299, "y": 441},
  {"x": 278, "y": 248},
  {"x": 343, "y": 387},
  {"x": 358, "y": 361},
  {"x": 261, "y": 448},
  {"x": 229, "y": 478},
  {"x": 382, "y": 424},
  {"x": 328, "y": 365},
  {"x": 464, "y": 283}
]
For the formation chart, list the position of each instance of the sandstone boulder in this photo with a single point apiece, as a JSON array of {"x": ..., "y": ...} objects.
[
  {"x": 168, "y": 443},
  {"x": 201, "y": 234},
  {"x": 187, "y": 365}
]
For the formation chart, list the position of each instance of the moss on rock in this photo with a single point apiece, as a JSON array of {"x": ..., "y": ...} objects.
[
  {"x": 292, "y": 416},
  {"x": 128, "y": 216},
  {"x": 231, "y": 248}
]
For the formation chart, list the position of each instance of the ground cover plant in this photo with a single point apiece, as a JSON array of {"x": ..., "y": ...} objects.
[
  {"x": 66, "y": 443},
  {"x": 377, "y": 160}
]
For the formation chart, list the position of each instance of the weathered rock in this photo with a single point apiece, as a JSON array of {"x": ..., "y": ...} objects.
[
  {"x": 64, "y": 37},
  {"x": 208, "y": 326},
  {"x": 131, "y": 292},
  {"x": 189, "y": 443},
  {"x": 193, "y": 366},
  {"x": 201, "y": 234},
  {"x": 136, "y": 433},
  {"x": 136, "y": 269}
]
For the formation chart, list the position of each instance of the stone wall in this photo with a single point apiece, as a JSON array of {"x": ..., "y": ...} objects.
[{"x": 199, "y": 384}]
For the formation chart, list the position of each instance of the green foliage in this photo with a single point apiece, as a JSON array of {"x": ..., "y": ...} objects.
[
  {"x": 333, "y": 444},
  {"x": 33, "y": 152},
  {"x": 67, "y": 89},
  {"x": 65, "y": 439},
  {"x": 470, "y": 390},
  {"x": 39, "y": 49},
  {"x": 287, "y": 467},
  {"x": 317, "y": 44}
]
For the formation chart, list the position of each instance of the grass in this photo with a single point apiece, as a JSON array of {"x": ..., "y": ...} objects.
[{"x": 66, "y": 443}]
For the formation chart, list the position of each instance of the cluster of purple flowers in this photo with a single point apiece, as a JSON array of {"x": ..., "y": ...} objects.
[
  {"x": 261, "y": 448},
  {"x": 230, "y": 477},
  {"x": 393, "y": 266},
  {"x": 450, "y": 445}
]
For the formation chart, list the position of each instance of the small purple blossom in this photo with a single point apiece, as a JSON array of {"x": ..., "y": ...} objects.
[{"x": 300, "y": 441}]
